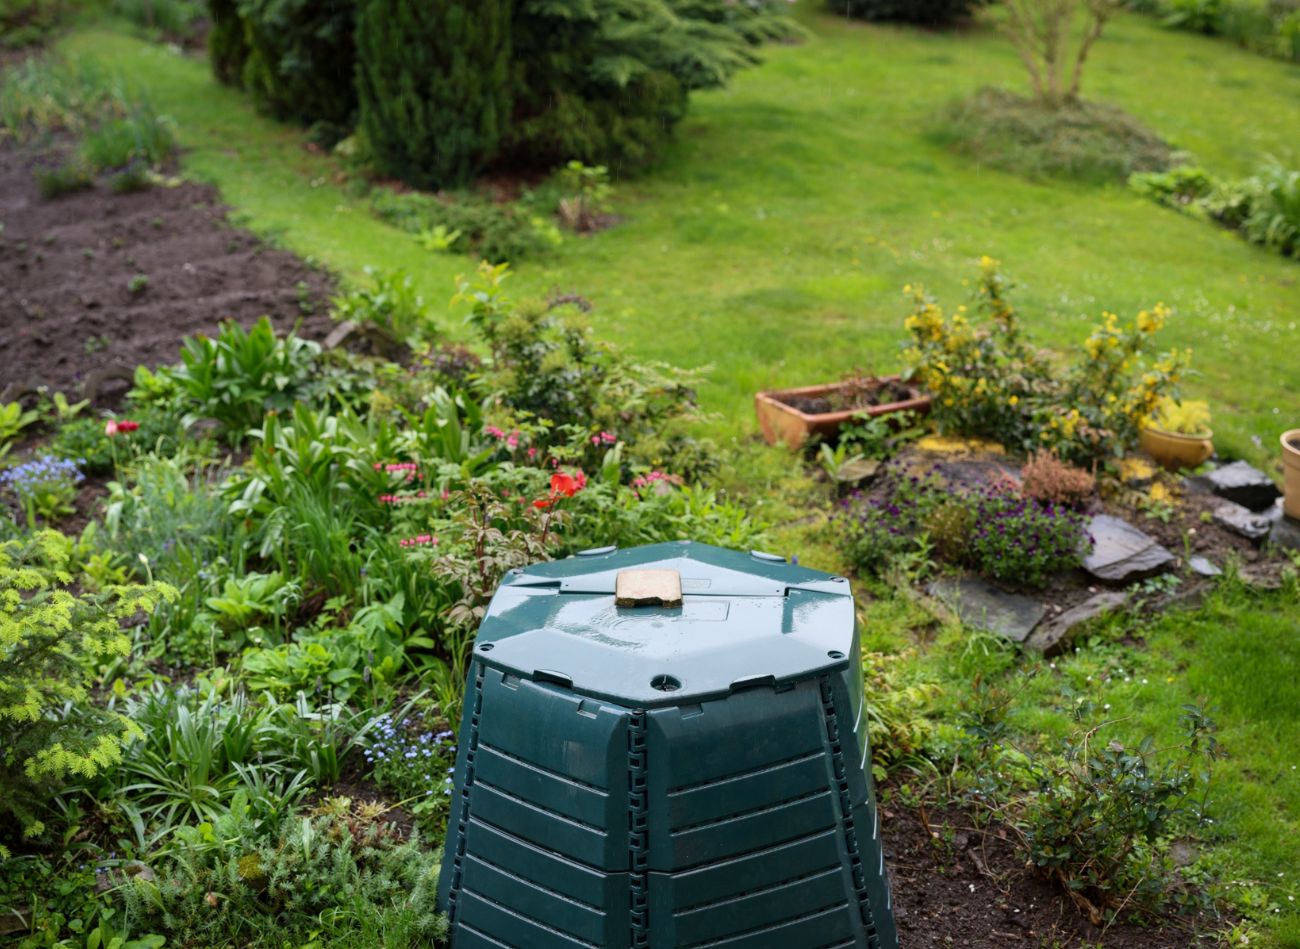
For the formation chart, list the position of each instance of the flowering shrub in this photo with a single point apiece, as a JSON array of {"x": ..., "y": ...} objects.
[
  {"x": 987, "y": 381},
  {"x": 45, "y": 486},
  {"x": 549, "y": 374},
  {"x": 1022, "y": 541}
]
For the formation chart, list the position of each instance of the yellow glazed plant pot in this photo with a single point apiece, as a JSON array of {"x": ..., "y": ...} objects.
[
  {"x": 1173, "y": 450},
  {"x": 1291, "y": 472}
]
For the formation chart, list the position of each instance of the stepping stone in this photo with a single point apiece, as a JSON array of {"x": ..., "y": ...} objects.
[
  {"x": 1249, "y": 524},
  {"x": 1054, "y": 635},
  {"x": 1285, "y": 534},
  {"x": 1122, "y": 553},
  {"x": 1204, "y": 567},
  {"x": 981, "y": 605},
  {"x": 1242, "y": 484},
  {"x": 857, "y": 471}
]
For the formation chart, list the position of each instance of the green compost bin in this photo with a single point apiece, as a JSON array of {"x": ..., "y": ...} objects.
[{"x": 674, "y": 776}]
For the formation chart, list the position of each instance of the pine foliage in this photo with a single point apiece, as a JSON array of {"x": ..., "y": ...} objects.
[
  {"x": 51, "y": 639},
  {"x": 434, "y": 86}
]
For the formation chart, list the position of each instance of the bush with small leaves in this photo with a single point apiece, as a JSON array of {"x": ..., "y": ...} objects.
[{"x": 53, "y": 635}]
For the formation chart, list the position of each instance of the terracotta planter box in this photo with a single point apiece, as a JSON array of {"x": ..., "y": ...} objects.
[{"x": 782, "y": 422}]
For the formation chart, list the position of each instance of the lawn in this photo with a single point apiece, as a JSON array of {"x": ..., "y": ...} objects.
[
  {"x": 775, "y": 240},
  {"x": 773, "y": 244}
]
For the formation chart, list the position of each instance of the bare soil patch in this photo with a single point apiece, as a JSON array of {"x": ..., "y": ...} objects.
[
  {"x": 967, "y": 887},
  {"x": 76, "y": 315}
]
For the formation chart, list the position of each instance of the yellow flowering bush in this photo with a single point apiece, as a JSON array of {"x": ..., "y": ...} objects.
[{"x": 987, "y": 381}]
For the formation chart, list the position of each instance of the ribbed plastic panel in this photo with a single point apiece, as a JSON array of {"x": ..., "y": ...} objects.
[
  {"x": 744, "y": 820},
  {"x": 545, "y": 821}
]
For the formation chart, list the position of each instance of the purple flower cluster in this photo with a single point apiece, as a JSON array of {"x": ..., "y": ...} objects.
[
  {"x": 1023, "y": 540},
  {"x": 42, "y": 474}
]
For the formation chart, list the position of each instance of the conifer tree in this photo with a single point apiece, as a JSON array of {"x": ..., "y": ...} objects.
[{"x": 433, "y": 78}]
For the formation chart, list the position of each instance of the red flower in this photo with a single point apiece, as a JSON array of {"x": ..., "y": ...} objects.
[
  {"x": 115, "y": 427},
  {"x": 563, "y": 485}
]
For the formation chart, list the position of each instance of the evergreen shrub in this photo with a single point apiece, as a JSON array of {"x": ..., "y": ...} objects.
[{"x": 433, "y": 84}]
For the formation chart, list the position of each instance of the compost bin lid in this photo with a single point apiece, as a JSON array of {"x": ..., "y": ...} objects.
[{"x": 744, "y": 620}]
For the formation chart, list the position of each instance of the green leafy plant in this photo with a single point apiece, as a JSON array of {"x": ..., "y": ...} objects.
[
  {"x": 13, "y": 419},
  {"x": 52, "y": 637},
  {"x": 1100, "y": 811},
  {"x": 71, "y": 176},
  {"x": 393, "y": 305},
  {"x": 239, "y": 376},
  {"x": 586, "y": 197},
  {"x": 339, "y": 867}
]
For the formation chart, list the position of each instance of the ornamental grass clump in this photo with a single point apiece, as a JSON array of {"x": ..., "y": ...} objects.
[{"x": 988, "y": 382}]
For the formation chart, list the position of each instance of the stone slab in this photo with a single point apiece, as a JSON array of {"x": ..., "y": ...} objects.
[
  {"x": 1253, "y": 525},
  {"x": 1056, "y": 633},
  {"x": 981, "y": 605},
  {"x": 1241, "y": 483},
  {"x": 1121, "y": 553}
]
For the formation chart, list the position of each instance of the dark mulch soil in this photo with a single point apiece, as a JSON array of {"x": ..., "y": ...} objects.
[
  {"x": 69, "y": 320},
  {"x": 861, "y": 393},
  {"x": 975, "y": 892}
]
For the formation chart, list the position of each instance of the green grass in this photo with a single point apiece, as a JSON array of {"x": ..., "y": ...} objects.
[
  {"x": 1240, "y": 657},
  {"x": 774, "y": 240}
]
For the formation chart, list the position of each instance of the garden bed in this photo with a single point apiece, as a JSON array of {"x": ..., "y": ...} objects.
[
  {"x": 958, "y": 885},
  {"x": 75, "y": 321}
]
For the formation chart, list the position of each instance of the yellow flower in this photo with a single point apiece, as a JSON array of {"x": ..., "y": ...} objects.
[{"x": 1013, "y": 401}]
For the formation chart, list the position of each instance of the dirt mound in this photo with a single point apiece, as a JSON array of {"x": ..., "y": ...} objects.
[{"x": 93, "y": 284}]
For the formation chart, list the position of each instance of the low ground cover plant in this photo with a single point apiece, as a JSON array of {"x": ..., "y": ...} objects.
[
  {"x": 1270, "y": 28},
  {"x": 1264, "y": 207},
  {"x": 996, "y": 530}
]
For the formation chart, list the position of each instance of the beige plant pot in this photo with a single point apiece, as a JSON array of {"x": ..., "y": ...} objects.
[
  {"x": 1173, "y": 450},
  {"x": 1291, "y": 472}
]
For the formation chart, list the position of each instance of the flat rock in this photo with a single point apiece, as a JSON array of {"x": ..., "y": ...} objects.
[
  {"x": 1285, "y": 533},
  {"x": 981, "y": 605},
  {"x": 1204, "y": 567},
  {"x": 1249, "y": 524},
  {"x": 1055, "y": 634},
  {"x": 1122, "y": 553},
  {"x": 857, "y": 471},
  {"x": 1242, "y": 484}
]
